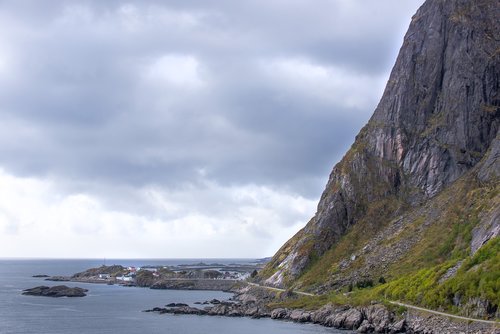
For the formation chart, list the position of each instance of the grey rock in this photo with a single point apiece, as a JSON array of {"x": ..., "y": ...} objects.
[
  {"x": 450, "y": 272},
  {"x": 58, "y": 279},
  {"x": 488, "y": 229},
  {"x": 235, "y": 312},
  {"x": 279, "y": 313},
  {"x": 185, "y": 310},
  {"x": 219, "y": 309},
  {"x": 353, "y": 319},
  {"x": 252, "y": 311},
  {"x": 398, "y": 327},
  {"x": 480, "y": 308},
  {"x": 490, "y": 169},
  {"x": 365, "y": 327},
  {"x": 300, "y": 316},
  {"x": 379, "y": 317},
  {"x": 56, "y": 291},
  {"x": 330, "y": 320},
  {"x": 176, "y": 305},
  {"x": 322, "y": 314},
  {"x": 348, "y": 319}
]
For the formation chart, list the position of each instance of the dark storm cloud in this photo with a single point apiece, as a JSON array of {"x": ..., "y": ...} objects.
[{"x": 167, "y": 92}]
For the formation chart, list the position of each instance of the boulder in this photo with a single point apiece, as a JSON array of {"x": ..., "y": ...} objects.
[
  {"x": 219, "y": 309},
  {"x": 319, "y": 316},
  {"x": 252, "y": 311},
  {"x": 279, "y": 313},
  {"x": 398, "y": 327},
  {"x": 352, "y": 319},
  {"x": 300, "y": 316},
  {"x": 379, "y": 317},
  {"x": 365, "y": 327}
]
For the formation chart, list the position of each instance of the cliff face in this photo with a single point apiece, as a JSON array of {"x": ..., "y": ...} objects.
[{"x": 437, "y": 124}]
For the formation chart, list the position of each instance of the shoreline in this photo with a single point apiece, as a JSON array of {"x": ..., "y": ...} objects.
[{"x": 251, "y": 300}]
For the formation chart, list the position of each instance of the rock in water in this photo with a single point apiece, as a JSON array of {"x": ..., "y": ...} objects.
[{"x": 56, "y": 291}]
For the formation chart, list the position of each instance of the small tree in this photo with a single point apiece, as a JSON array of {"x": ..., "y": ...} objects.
[
  {"x": 367, "y": 283},
  {"x": 254, "y": 273}
]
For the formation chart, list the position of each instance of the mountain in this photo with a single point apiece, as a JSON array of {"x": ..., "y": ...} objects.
[{"x": 412, "y": 211}]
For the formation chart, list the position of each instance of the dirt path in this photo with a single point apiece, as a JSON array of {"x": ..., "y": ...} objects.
[
  {"x": 281, "y": 290},
  {"x": 395, "y": 303},
  {"x": 445, "y": 314}
]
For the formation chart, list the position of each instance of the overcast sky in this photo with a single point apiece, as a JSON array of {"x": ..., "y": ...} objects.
[{"x": 182, "y": 128}]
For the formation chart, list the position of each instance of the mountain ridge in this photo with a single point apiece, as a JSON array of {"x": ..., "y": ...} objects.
[{"x": 424, "y": 163}]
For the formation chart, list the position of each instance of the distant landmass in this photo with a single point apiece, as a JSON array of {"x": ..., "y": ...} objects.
[{"x": 195, "y": 276}]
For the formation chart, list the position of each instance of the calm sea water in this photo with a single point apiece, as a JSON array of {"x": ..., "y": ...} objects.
[{"x": 115, "y": 309}]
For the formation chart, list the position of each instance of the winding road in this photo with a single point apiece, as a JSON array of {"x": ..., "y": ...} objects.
[
  {"x": 280, "y": 290},
  {"x": 496, "y": 323},
  {"x": 444, "y": 314}
]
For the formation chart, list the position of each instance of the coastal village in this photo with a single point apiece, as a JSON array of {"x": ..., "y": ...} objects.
[
  {"x": 130, "y": 273},
  {"x": 214, "y": 276}
]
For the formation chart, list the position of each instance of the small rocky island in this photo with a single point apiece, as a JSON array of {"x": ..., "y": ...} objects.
[{"x": 56, "y": 291}]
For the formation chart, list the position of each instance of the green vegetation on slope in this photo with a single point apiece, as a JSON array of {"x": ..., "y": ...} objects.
[
  {"x": 324, "y": 267},
  {"x": 443, "y": 233},
  {"x": 478, "y": 277}
]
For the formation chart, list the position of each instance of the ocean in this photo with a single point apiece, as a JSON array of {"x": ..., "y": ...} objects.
[{"x": 113, "y": 308}]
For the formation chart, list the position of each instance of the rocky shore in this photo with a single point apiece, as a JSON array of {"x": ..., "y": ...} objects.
[
  {"x": 58, "y": 278},
  {"x": 55, "y": 291},
  {"x": 376, "y": 318}
]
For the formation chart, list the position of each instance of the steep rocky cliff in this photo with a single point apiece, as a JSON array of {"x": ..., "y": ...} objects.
[{"x": 419, "y": 188}]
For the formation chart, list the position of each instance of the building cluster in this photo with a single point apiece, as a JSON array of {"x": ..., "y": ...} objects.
[{"x": 130, "y": 273}]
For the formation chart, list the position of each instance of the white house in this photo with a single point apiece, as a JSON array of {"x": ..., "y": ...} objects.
[{"x": 125, "y": 278}]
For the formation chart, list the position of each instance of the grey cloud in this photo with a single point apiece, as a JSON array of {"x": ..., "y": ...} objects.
[{"x": 78, "y": 86}]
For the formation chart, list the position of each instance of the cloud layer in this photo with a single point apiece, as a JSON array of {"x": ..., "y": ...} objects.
[{"x": 180, "y": 122}]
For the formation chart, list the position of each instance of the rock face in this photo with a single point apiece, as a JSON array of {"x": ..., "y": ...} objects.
[
  {"x": 56, "y": 291},
  {"x": 437, "y": 119}
]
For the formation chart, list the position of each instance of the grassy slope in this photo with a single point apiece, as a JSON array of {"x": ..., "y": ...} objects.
[{"x": 444, "y": 229}]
